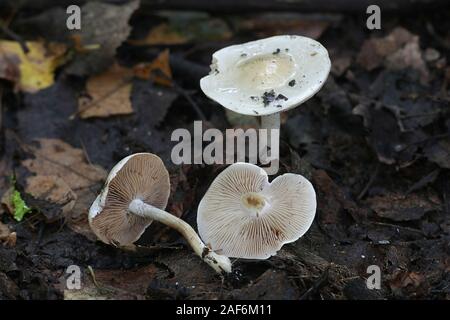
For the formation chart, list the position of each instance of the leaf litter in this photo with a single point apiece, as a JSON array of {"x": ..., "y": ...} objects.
[{"x": 386, "y": 110}]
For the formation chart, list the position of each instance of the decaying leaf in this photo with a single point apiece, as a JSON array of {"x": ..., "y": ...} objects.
[
  {"x": 108, "y": 94},
  {"x": 7, "y": 237},
  {"x": 386, "y": 137},
  {"x": 54, "y": 190},
  {"x": 184, "y": 27},
  {"x": 105, "y": 26},
  {"x": 334, "y": 209},
  {"x": 6, "y": 200},
  {"x": 398, "y": 50},
  {"x": 403, "y": 281},
  {"x": 266, "y": 25},
  {"x": 397, "y": 207},
  {"x": 34, "y": 70},
  {"x": 439, "y": 152},
  {"x": 157, "y": 71},
  {"x": 68, "y": 168}
]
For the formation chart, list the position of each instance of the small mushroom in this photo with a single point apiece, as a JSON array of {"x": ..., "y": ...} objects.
[
  {"x": 242, "y": 215},
  {"x": 283, "y": 71},
  {"x": 136, "y": 193}
]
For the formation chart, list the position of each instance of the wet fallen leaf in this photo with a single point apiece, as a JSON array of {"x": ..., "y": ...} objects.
[
  {"x": 375, "y": 50},
  {"x": 403, "y": 282},
  {"x": 397, "y": 207},
  {"x": 105, "y": 26},
  {"x": 184, "y": 27},
  {"x": 34, "y": 70},
  {"x": 386, "y": 137},
  {"x": 398, "y": 50},
  {"x": 406, "y": 99},
  {"x": 266, "y": 25},
  {"x": 108, "y": 94},
  {"x": 54, "y": 190},
  {"x": 157, "y": 71},
  {"x": 162, "y": 34},
  {"x": 335, "y": 210},
  {"x": 58, "y": 159},
  {"x": 7, "y": 237},
  {"x": 439, "y": 152},
  {"x": 6, "y": 200}
]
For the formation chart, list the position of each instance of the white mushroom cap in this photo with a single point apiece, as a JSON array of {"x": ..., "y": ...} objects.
[
  {"x": 139, "y": 176},
  {"x": 267, "y": 76},
  {"x": 242, "y": 215}
]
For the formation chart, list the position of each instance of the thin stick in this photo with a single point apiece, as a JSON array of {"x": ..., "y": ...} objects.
[
  {"x": 11, "y": 34},
  {"x": 107, "y": 95},
  {"x": 369, "y": 183}
]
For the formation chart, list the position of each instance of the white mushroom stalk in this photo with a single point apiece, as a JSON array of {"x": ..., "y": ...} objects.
[
  {"x": 221, "y": 264},
  {"x": 266, "y": 77},
  {"x": 243, "y": 215},
  {"x": 136, "y": 193}
]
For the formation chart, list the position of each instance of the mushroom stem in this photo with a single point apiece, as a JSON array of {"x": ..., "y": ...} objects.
[
  {"x": 221, "y": 264},
  {"x": 269, "y": 122}
]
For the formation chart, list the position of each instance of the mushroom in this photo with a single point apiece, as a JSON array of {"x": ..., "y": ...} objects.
[
  {"x": 136, "y": 193},
  {"x": 242, "y": 215},
  {"x": 266, "y": 77}
]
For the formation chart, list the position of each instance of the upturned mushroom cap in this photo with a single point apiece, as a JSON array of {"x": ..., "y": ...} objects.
[
  {"x": 139, "y": 176},
  {"x": 242, "y": 215},
  {"x": 267, "y": 76}
]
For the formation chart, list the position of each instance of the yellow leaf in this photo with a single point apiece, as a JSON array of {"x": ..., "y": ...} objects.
[
  {"x": 158, "y": 70},
  {"x": 34, "y": 70},
  {"x": 108, "y": 94}
]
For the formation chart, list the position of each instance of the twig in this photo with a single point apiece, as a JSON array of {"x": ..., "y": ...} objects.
[
  {"x": 94, "y": 279},
  {"x": 191, "y": 101},
  {"x": 96, "y": 102},
  {"x": 323, "y": 279},
  {"x": 86, "y": 155},
  {"x": 185, "y": 95},
  {"x": 370, "y": 182},
  {"x": 11, "y": 34},
  {"x": 383, "y": 224}
]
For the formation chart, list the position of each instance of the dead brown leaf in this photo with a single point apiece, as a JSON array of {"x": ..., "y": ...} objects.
[
  {"x": 66, "y": 169},
  {"x": 271, "y": 24},
  {"x": 158, "y": 70},
  {"x": 54, "y": 190},
  {"x": 108, "y": 94},
  {"x": 398, "y": 50},
  {"x": 186, "y": 27},
  {"x": 162, "y": 34},
  {"x": 397, "y": 207},
  {"x": 6, "y": 200},
  {"x": 7, "y": 237}
]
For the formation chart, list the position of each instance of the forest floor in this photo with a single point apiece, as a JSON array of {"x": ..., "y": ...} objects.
[{"x": 375, "y": 143}]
